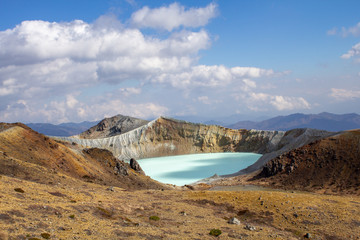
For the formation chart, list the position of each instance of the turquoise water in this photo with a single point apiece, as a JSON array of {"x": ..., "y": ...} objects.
[{"x": 186, "y": 169}]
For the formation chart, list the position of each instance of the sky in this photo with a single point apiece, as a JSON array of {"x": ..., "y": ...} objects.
[{"x": 72, "y": 61}]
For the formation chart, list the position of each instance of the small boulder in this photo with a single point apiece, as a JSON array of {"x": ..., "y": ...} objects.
[
  {"x": 136, "y": 166},
  {"x": 250, "y": 227},
  {"x": 307, "y": 235},
  {"x": 234, "y": 221},
  {"x": 121, "y": 168}
]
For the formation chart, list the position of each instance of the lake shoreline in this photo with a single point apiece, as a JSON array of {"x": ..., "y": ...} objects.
[{"x": 188, "y": 169}]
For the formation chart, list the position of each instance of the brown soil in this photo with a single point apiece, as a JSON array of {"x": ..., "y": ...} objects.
[
  {"x": 331, "y": 165},
  {"x": 79, "y": 210},
  {"x": 28, "y": 155},
  {"x": 40, "y": 198}
]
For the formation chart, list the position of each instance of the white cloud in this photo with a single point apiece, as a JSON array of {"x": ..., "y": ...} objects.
[
  {"x": 249, "y": 84},
  {"x": 49, "y": 60},
  {"x": 212, "y": 76},
  {"x": 345, "y": 32},
  {"x": 60, "y": 71},
  {"x": 49, "y": 78},
  {"x": 108, "y": 108},
  {"x": 289, "y": 103},
  {"x": 129, "y": 91},
  {"x": 332, "y": 31},
  {"x": 6, "y": 91},
  {"x": 204, "y": 99},
  {"x": 344, "y": 94},
  {"x": 173, "y": 16},
  {"x": 259, "y": 96},
  {"x": 355, "y": 30},
  {"x": 71, "y": 101},
  {"x": 251, "y": 72},
  {"x": 354, "y": 51},
  {"x": 262, "y": 102},
  {"x": 9, "y": 87},
  {"x": 39, "y": 41},
  {"x": 71, "y": 109}
]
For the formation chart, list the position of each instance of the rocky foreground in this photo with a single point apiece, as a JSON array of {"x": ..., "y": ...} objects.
[
  {"x": 62, "y": 190},
  {"x": 73, "y": 209}
]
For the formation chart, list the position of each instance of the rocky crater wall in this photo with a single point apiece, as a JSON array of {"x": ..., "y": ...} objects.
[{"x": 168, "y": 137}]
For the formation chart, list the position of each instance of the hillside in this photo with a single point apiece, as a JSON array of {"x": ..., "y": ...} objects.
[
  {"x": 328, "y": 165},
  {"x": 323, "y": 121},
  {"x": 113, "y": 126},
  {"x": 56, "y": 190},
  {"x": 28, "y": 155}
]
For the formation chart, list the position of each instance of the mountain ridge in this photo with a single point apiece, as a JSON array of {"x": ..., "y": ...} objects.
[
  {"x": 340, "y": 122},
  {"x": 322, "y": 121},
  {"x": 113, "y": 126}
]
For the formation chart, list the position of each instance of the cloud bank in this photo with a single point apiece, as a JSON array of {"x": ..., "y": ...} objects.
[
  {"x": 75, "y": 71},
  {"x": 344, "y": 94}
]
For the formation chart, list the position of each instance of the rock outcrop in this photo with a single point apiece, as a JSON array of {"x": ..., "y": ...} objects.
[
  {"x": 167, "y": 137},
  {"x": 331, "y": 164},
  {"x": 113, "y": 126},
  {"x": 292, "y": 139},
  {"x": 136, "y": 166}
]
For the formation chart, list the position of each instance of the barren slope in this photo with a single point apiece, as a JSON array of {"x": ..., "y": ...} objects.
[
  {"x": 29, "y": 155},
  {"x": 41, "y": 198},
  {"x": 78, "y": 210},
  {"x": 331, "y": 165}
]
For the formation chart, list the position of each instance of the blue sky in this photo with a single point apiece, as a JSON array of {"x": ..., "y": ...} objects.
[{"x": 66, "y": 60}]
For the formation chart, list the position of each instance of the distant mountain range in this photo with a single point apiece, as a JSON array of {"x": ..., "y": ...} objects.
[
  {"x": 323, "y": 121},
  {"x": 63, "y": 129},
  {"x": 220, "y": 120}
]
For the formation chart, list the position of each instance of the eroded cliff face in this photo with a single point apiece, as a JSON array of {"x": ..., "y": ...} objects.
[{"x": 167, "y": 137}]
